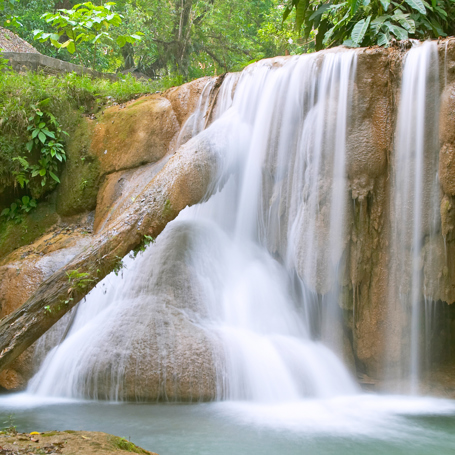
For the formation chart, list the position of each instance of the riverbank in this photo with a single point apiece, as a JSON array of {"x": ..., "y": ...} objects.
[{"x": 66, "y": 442}]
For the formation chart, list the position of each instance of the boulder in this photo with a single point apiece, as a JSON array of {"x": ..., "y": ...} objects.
[{"x": 131, "y": 135}]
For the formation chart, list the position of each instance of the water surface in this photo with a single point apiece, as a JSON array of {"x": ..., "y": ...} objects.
[{"x": 347, "y": 425}]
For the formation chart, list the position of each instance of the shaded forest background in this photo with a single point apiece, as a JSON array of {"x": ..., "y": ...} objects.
[{"x": 184, "y": 39}]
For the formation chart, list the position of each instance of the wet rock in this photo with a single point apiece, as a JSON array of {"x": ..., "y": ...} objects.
[
  {"x": 120, "y": 189},
  {"x": 185, "y": 98}
]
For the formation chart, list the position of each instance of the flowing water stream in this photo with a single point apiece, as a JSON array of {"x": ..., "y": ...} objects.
[
  {"x": 415, "y": 206},
  {"x": 238, "y": 298},
  {"x": 256, "y": 253}
]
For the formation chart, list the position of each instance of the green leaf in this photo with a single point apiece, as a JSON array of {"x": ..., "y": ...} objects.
[
  {"x": 54, "y": 177},
  {"x": 48, "y": 133},
  {"x": 417, "y": 5},
  {"x": 383, "y": 39},
  {"x": 55, "y": 43},
  {"x": 286, "y": 13},
  {"x": 42, "y": 137},
  {"x": 71, "y": 47},
  {"x": 121, "y": 41},
  {"x": 440, "y": 11},
  {"x": 359, "y": 30},
  {"x": 328, "y": 36},
  {"x": 35, "y": 133},
  {"x": 42, "y": 172},
  {"x": 437, "y": 28},
  {"x": 29, "y": 146},
  {"x": 404, "y": 20},
  {"x": 5, "y": 212},
  {"x": 399, "y": 32},
  {"x": 354, "y": 5},
  {"x": 385, "y": 4},
  {"x": 300, "y": 14},
  {"x": 320, "y": 11},
  {"x": 350, "y": 43}
]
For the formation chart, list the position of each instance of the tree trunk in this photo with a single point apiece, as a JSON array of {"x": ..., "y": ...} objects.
[{"x": 183, "y": 181}]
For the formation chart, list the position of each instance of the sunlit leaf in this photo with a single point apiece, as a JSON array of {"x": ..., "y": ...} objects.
[
  {"x": 359, "y": 30},
  {"x": 417, "y": 5}
]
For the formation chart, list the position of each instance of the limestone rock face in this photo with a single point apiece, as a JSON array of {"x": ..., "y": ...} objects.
[
  {"x": 184, "y": 99},
  {"x": 20, "y": 275},
  {"x": 134, "y": 135},
  {"x": 120, "y": 189}
]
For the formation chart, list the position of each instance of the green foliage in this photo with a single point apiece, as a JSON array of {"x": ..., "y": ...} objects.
[
  {"x": 357, "y": 23},
  {"x": 146, "y": 241},
  {"x": 4, "y": 64},
  {"x": 61, "y": 100},
  {"x": 45, "y": 136},
  {"x": 84, "y": 23},
  {"x": 78, "y": 280},
  {"x": 127, "y": 446},
  {"x": 17, "y": 209},
  {"x": 9, "y": 20}
]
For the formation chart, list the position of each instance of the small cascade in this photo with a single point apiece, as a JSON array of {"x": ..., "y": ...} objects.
[
  {"x": 238, "y": 297},
  {"x": 415, "y": 210},
  {"x": 197, "y": 120}
]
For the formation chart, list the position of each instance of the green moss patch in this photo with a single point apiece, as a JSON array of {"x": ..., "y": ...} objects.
[
  {"x": 80, "y": 179},
  {"x": 32, "y": 226},
  {"x": 124, "y": 444}
]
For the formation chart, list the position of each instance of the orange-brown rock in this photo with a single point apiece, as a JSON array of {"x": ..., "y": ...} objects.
[
  {"x": 134, "y": 134},
  {"x": 185, "y": 98},
  {"x": 68, "y": 443},
  {"x": 21, "y": 273},
  {"x": 120, "y": 189}
]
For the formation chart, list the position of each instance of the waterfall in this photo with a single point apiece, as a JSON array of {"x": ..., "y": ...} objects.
[
  {"x": 415, "y": 206},
  {"x": 238, "y": 297}
]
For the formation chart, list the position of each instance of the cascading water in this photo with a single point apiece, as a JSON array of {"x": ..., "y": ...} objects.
[
  {"x": 227, "y": 303},
  {"x": 415, "y": 207}
]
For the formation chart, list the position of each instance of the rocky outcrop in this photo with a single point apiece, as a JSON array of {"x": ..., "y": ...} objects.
[
  {"x": 22, "y": 272},
  {"x": 146, "y": 128},
  {"x": 139, "y": 133},
  {"x": 185, "y": 99},
  {"x": 67, "y": 442}
]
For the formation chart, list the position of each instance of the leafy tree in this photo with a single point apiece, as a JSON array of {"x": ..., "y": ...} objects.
[
  {"x": 368, "y": 22},
  {"x": 8, "y": 19},
  {"x": 195, "y": 37},
  {"x": 85, "y": 22}
]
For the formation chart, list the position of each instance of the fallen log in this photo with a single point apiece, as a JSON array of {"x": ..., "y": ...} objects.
[{"x": 183, "y": 181}]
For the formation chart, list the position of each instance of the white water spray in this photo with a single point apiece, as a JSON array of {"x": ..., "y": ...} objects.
[{"x": 415, "y": 203}]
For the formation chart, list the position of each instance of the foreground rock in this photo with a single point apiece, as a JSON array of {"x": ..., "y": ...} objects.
[{"x": 67, "y": 442}]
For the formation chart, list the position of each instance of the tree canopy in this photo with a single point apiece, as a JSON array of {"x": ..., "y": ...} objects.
[{"x": 185, "y": 39}]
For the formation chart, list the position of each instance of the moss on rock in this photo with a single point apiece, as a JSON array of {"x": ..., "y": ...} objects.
[
  {"x": 33, "y": 225},
  {"x": 80, "y": 179}
]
